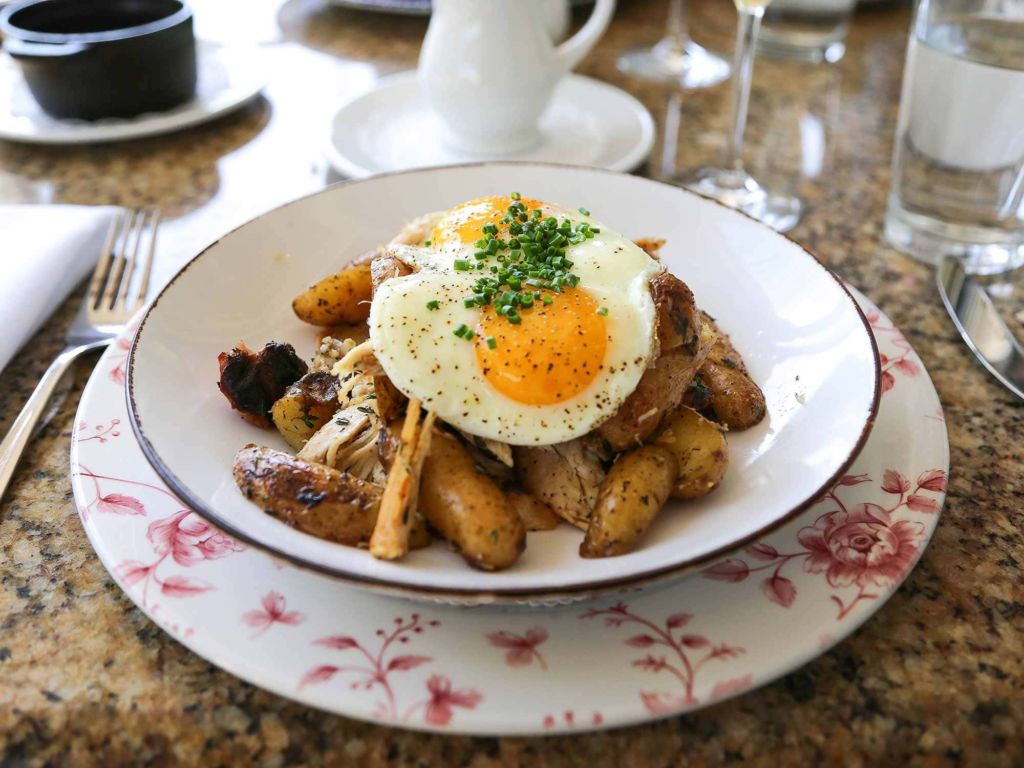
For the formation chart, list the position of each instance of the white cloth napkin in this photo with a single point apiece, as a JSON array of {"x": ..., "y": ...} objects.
[{"x": 45, "y": 251}]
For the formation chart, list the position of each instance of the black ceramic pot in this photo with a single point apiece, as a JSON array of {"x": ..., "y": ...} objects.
[{"x": 89, "y": 59}]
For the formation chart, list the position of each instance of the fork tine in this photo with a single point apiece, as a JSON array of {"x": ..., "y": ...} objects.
[
  {"x": 131, "y": 256},
  {"x": 117, "y": 266},
  {"x": 101, "y": 274},
  {"x": 146, "y": 266}
]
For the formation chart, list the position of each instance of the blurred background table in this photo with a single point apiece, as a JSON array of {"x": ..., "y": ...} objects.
[{"x": 935, "y": 678}]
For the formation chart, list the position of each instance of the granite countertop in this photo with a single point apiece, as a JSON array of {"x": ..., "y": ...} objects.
[{"x": 935, "y": 678}]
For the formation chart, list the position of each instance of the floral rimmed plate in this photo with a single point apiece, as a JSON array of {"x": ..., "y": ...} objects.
[
  {"x": 741, "y": 622},
  {"x": 799, "y": 330}
]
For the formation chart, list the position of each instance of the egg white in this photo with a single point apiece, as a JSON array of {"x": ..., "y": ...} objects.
[{"x": 423, "y": 358}]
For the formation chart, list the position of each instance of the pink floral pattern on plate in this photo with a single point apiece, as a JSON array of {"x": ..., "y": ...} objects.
[
  {"x": 859, "y": 545},
  {"x": 686, "y": 653},
  {"x": 900, "y": 359},
  {"x": 377, "y": 667},
  {"x": 740, "y": 623}
]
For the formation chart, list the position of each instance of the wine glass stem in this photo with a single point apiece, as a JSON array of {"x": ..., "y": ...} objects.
[
  {"x": 678, "y": 29},
  {"x": 743, "y": 66}
]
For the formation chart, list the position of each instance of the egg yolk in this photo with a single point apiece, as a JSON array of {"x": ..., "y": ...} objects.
[
  {"x": 465, "y": 223},
  {"x": 552, "y": 355}
]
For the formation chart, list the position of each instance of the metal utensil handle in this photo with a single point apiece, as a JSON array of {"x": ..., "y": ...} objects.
[{"x": 18, "y": 436}]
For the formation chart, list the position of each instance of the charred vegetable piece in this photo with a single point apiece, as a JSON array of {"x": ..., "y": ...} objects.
[
  {"x": 315, "y": 499},
  {"x": 306, "y": 406},
  {"x": 253, "y": 381},
  {"x": 467, "y": 507},
  {"x": 637, "y": 486}
]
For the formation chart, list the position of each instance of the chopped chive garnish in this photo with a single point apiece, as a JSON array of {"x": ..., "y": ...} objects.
[
  {"x": 522, "y": 255},
  {"x": 492, "y": 343},
  {"x": 427, "y": 243},
  {"x": 603, "y": 311},
  {"x": 434, "y": 304}
]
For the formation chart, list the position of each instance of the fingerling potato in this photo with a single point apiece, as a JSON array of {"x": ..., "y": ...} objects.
[
  {"x": 305, "y": 406},
  {"x": 736, "y": 400},
  {"x": 659, "y": 391},
  {"x": 467, "y": 507},
  {"x": 341, "y": 298},
  {"x": 315, "y": 499},
  {"x": 700, "y": 450},
  {"x": 632, "y": 495}
]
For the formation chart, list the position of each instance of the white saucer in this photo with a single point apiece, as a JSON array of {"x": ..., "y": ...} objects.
[
  {"x": 229, "y": 76},
  {"x": 391, "y": 128}
]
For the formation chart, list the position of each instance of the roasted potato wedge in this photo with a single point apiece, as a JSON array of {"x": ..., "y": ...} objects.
[
  {"x": 632, "y": 495},
  {"x": 734, "y": 397},
  {"x": 700, "y": 450},
  {"x": 660, "y": 391},
  {"x": 341, "y": 298},
  {"x": 306, "y": 406},
  {"x": 317, "y": 500},
  {"x": 467, "y": 507},
  {"x": 679, "y": 322}
]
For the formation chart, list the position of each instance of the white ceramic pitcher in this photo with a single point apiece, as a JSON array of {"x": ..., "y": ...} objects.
[{"x": 488, "y": 68}]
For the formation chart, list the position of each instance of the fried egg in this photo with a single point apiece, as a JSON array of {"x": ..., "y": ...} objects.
[{"x": 557, "y": 373}]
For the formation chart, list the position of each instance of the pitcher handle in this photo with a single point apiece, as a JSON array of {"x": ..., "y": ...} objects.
[{"x": 572, "y": 51}]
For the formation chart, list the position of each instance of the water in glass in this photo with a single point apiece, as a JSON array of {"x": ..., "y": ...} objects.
[{"x": 958, "y": 163}]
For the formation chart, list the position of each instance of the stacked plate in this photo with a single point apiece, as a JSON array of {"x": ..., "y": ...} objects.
[{"x": 827, "y": 505}]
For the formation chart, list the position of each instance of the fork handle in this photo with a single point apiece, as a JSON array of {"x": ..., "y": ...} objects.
[{"x": 20, "y": 433}]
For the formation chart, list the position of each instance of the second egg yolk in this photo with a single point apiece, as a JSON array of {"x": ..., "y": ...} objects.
[
  {"x": 465, "y": 223},
  {"x": 552, "y": 355}
]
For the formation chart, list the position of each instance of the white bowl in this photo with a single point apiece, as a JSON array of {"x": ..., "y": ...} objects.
[{"x": 804, "y": 339}]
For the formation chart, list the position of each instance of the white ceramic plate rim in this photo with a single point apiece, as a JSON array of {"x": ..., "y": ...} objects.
[
  {"x": 208, "y": 623},
  {"x": 580, "y": 589},
  {"x": 187, "y": 115},
  {"x": 347, "y": 166}
]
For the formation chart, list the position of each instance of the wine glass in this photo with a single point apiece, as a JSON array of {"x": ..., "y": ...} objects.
[
  {"x": 730, "y": 183},
  {"x": 676, "y": 57}
]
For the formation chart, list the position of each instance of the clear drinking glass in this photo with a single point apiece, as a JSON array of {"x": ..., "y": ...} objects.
[
  {"x": 676, "y": 57},
  {"x": 806, "y": 30},
  {"x": 958, "y": 159},
  {"x": 730, "y": 183}
]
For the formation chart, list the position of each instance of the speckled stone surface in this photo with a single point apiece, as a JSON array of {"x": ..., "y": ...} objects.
[{"x": 935, "y": 678}]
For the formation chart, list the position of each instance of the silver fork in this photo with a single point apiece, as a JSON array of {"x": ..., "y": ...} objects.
[{"x": 116, "y": 291}]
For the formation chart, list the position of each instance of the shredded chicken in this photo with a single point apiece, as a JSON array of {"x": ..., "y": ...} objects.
[
  {"x": 567, "y": 477},
  {"x": 347, "y": 442}
]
